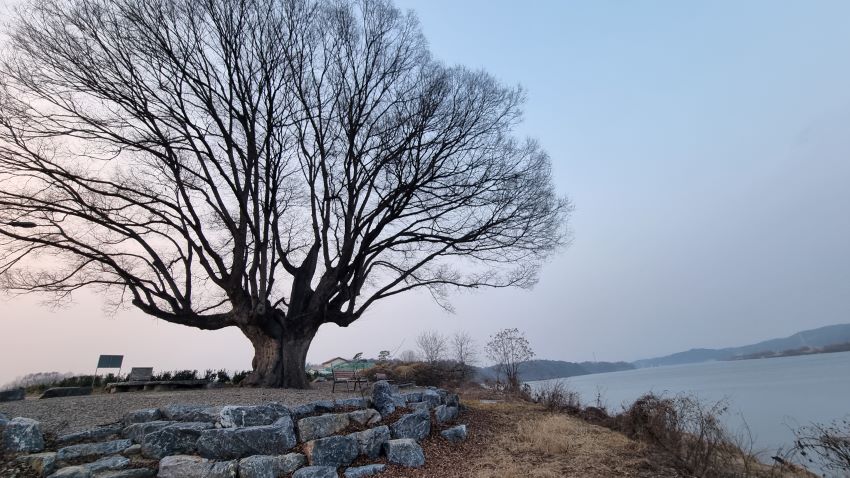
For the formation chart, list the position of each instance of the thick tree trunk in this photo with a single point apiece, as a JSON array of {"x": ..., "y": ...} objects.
[{"x": 279, "y": 360}]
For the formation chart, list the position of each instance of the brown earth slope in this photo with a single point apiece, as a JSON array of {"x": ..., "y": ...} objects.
[{"x": 521, "y": 439}]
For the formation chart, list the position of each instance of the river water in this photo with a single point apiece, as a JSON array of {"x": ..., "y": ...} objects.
[{"x": 773, "y": 395}]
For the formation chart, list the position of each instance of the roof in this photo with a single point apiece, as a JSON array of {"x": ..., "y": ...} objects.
[{"x": 334, "y": 360}]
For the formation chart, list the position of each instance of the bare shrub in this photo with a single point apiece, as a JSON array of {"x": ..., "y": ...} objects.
[
  {"x": 36, "y": 379},
  {"x": 826, "y": 445},
  {"x": 556, "y": 396},
  {"x": 686, "y": 429},
  {"x": 438, "y": 374}
]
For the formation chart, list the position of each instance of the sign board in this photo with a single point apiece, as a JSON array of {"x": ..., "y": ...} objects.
[{"x": 110, "y": 361}]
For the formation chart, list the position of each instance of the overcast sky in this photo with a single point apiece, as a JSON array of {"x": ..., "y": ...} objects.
[{"x": 706, "y": 147}]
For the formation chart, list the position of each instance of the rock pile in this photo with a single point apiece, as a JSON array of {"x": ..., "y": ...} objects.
[{"x": 314, "y": 440}]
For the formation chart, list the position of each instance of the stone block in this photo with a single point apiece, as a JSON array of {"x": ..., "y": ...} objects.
[
  {"x": 270, "y": 466},
  {"x": 363, "y": 471},
  {"x": 405, "y": 452},
  {"x": 444, "y": 414},
  {"x": 57, "y": 392},
  {"x": 416, "y": 425},
  {"x": 333, "y": 451},
  {"x": 321, "y": 426},
  {"x": 13, "y": 394},
  {"x": 22, "y": 435},
  {"x": 454, "y": 434},
  {"x": 382, "y": 398},
  {"x": 228, "y": 443},
  {"x": 251, "y": 416},
  {"x": 91, "y": 450},
  {"x": 316, "y": 472},
  {"x": 186, "y": 466},
  {"x": 371, "y": 442},
  {"x": 175, "y": 439},
  {"x": 141, "y": 416}
]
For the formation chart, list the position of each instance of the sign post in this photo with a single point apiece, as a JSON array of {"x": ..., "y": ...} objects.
[{"x": 107, "y": 361}]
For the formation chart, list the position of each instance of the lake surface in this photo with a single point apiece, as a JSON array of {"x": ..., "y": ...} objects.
[{"x": 770, "y": 394}]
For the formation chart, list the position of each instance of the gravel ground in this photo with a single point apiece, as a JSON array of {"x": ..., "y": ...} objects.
[{"x": 71, "y": 414}]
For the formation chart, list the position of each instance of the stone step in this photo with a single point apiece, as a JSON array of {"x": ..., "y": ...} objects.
[
  {"x": 92, "y": 434},
  {"x": 90, "y": 470},
  {"x": 91, "y": 450}
]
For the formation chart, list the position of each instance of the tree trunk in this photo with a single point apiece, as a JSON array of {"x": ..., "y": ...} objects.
[{"x": 279, "y": 359}]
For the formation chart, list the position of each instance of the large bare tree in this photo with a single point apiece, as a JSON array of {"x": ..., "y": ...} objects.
[{"x": 271, "y": 165}]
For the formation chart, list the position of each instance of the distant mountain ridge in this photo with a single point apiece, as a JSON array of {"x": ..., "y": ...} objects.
[
  {"x": 820, "y": 337},
  {"x": 547, "y": 369}
]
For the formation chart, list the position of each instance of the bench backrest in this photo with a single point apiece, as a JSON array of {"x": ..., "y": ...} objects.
[
  {"x": 140, "y": 374},
  {"x": 341, "y": 374}
]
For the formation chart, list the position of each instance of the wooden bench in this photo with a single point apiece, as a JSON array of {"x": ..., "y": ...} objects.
[
  {"x": 140, "y": 374},
  {"x": 346, "y": 377}
]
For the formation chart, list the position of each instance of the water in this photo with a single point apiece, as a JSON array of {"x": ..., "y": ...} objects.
[{"x": 774, "y": 396}]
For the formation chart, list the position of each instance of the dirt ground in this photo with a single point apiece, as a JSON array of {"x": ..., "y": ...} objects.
[{"x": 508, "y": 440}]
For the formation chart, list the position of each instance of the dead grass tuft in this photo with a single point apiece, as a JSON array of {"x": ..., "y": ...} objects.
[{"x": 548, "y": 435}]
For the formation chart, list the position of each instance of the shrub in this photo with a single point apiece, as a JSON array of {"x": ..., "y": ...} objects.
[
  {"x": 185, "y": 375},
  {"x": 222, "y": 376},
  {"x": 686, "y": 429},
  {"x": 33, "y": 380},
  {"x": 827, "y": 445},
  {"x": 39, "y": 382},
  {"x": 239, "y": 376},
  {"x": 555, "y": 396},
  {"x": 438, "y": 374}
]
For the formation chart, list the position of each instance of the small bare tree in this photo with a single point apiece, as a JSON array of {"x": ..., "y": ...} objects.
[
  {"x": 509, "y": 349},
  {"x": 432, "y": 344},
  {"x": 409, "y": 356},
  {"x": 464, "y": 350}
]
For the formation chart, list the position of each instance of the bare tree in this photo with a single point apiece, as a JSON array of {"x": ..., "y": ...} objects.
[
  {"x": 509, "y": 349},
  {"x": 271, "y": 165},
  {"x": 464, "y": 350},
  {"x": 432, "y": 344},
  {"x": 409, "y": 356}
]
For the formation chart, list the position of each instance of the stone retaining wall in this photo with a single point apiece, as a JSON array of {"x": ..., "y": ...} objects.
[{"x": 314, "y": 440}]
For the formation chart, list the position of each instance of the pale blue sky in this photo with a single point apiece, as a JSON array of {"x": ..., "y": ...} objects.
[{"x": 706, "y": 146}]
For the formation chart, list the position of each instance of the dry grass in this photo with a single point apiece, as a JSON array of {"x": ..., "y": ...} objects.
[
  {"x": 518, "y": 439},
  {"x": 548, "y": 435},
  {"x": 541, "y": 444}
]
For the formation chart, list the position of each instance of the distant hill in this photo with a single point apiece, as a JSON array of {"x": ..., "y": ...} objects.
[
  {"x": 546, "y": 369},
  {"x": 815, "y": 338}
]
